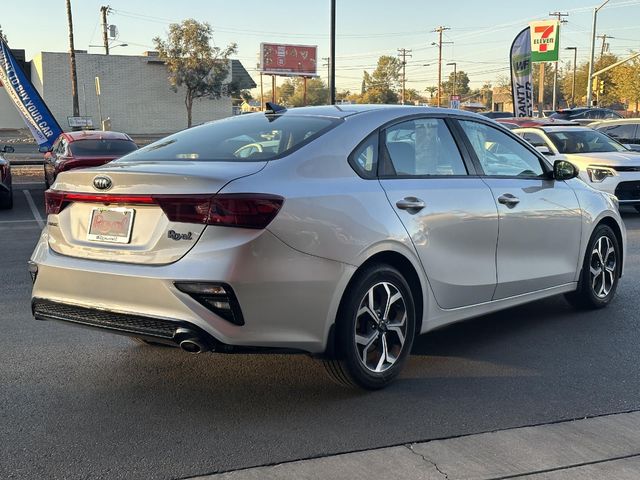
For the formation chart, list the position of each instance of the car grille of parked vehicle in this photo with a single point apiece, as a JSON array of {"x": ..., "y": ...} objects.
[{"x": 628, "y": 191}]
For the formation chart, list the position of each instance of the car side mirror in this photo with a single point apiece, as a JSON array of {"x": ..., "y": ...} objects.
[
  {"x": 543, "y": 149},
  {"x": 8, "y": 149},
  {"x": 563, "y": 170},
  {"x": 44, "y": 149}
]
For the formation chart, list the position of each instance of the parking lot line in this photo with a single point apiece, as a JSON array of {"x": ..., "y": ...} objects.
[{"x": 34, "y": 209}]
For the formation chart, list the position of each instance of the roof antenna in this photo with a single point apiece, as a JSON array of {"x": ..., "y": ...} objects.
[{"x": 274, "y": 108}]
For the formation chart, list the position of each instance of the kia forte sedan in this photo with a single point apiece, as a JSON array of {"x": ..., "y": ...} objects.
[{"x": 339, "y": 231}]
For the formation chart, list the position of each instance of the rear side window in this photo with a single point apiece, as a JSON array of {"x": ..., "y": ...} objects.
[
  {"x": 101, "y": 147},
  {"x": 364, "y": 159},
  {"x": 254, "y": 137},
  {"x": 423, "y": 147}
]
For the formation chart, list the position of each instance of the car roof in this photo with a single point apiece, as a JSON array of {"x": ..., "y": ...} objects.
[
  {"x": 347, "y": 110},
  {"x": 94, "y": 135},
  {"x": 556, "y": 128},
  {"x": 614, "y": 121}
]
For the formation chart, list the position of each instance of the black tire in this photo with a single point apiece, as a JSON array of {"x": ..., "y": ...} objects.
[
  {"x": 385, "y": 340},
  {"x": 597, "y": 290},
  {"x": 6, "y": 201}
]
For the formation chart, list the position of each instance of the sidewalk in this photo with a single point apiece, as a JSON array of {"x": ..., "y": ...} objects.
[{"x": 606, "y": 447}]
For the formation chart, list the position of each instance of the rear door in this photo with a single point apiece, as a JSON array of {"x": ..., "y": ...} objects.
[
  {"x": 445, "y": 207},
  {"x": 540, "y": 218}
]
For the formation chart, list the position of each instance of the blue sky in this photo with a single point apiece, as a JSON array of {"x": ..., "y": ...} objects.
[{"x": 481, "y": 31}]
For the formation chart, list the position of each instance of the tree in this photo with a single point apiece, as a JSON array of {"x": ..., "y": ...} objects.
[
  {"x": 382, "y": 85},
  {"x": 193, "y": 63},
  {"x": 461, "y": 81},
  {"x": 432, "y": 90},
  {"x": 2, "y": 35},
  {"x": 582, "y": 72},
  {"x": 627, "y": 82}
]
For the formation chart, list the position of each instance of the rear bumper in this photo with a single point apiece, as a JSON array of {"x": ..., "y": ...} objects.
[{"x": 288, "y": 299}]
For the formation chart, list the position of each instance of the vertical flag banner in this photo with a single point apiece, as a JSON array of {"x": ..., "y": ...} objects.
[
  {"x": 44, "y": 127},
  {"x": 521, "y": 82},
  {"x": 545, "y": 45}
]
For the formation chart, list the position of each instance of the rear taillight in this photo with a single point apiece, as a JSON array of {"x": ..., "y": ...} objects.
[{"x": 245, "y": 210}]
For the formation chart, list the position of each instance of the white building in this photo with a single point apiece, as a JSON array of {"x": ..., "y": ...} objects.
[{"x": 134, "y": 93}]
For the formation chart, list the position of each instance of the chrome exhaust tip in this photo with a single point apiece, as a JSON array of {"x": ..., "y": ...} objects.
[{"x": 193, "y": 345}]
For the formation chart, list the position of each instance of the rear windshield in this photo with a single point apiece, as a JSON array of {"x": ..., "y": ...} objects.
[
  {"x": 102, "y": 147},
  {"x": 253, "y": 137}
]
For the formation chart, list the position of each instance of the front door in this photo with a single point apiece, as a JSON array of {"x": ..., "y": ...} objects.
[
  {"x": 540, "y": 218},
  {"x": 447, "y": 210}
]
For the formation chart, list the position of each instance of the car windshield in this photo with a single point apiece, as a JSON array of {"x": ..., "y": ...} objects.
[
  {"x": 101, "y": 147},
  {"x": 253, "y": 137},
  {"x": 584, "y": 141}
]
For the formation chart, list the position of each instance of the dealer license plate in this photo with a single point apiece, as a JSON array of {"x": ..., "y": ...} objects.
[{"x": 111, "y": 225}]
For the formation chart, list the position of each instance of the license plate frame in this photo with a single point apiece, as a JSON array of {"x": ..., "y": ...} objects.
[{"x": 116, "y": 231}]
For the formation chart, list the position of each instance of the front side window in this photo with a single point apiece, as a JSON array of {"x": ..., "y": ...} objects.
[
  {"x": 423, "y": 147},
  {"x": 254, "y": 137},
  {"x": 625, "y": 131},
  {"x": 499, "y": 154}
]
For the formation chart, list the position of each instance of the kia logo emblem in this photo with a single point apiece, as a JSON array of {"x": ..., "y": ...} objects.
[{"x": 102, "y": 183}]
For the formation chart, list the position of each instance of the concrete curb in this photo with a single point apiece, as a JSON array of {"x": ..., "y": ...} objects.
[{"x": 600, "y": 447}]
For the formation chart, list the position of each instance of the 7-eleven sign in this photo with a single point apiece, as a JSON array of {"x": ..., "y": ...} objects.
[{"x": 545, "y": 41}]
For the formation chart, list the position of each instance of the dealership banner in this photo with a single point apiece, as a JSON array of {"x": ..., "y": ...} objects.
[
  {"x": 545, "y": 43},
  {"x": 288, "y": 60},
  {"x": 44, "y": 127},
  {"x": 521, "y": 81}
]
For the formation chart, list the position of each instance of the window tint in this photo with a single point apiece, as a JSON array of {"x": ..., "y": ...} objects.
[
  {"x": 102, "y": 147},
  {"x": 621, "y": 132},
  {"x": 499, "y": 154},
  {"x": 423, "y": 147},
  {"x": 364, "y": 159},
  {"x": 254, "y": 137}
]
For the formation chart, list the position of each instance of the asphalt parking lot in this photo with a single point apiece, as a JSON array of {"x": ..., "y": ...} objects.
[{"x": 77, "y": 403}]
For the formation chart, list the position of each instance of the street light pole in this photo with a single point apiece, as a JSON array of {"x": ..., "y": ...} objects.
[
  {"x": 72, "y": 62},
  {"x": 593, "y": 46},
  {"x": 573, "y": 85},
  {"x": 332, "y": 62},
  {"x": 455, "y": 76}
]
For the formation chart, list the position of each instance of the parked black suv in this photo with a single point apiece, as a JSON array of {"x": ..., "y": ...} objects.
[{"x": 584, "y": 115}]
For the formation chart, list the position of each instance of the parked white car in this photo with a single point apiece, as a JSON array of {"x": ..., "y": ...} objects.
[{"x": 603, "y": 163}]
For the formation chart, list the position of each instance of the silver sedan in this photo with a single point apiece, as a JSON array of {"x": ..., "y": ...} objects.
[{"x": 341, "y": 232}]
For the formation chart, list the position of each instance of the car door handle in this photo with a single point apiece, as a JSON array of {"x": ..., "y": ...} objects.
[
  {"x": 411, "y": 204},
  {"x": 509, "y": 200}
]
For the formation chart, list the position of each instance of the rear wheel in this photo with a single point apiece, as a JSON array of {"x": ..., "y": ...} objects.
[
  {"x": 600, "y": 271},
  {"x": 6, "y": 201},
  {"x": 374, "y": 329}
]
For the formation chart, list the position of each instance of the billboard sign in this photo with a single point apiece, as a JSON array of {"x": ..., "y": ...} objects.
[
  {"x": 521, "y": 80},
  {"x": 43, "y": 126},
  {"x": 288, "y": 60},
  {"x": 80, "y": 122},
  {"x": 545, "y": 41}
]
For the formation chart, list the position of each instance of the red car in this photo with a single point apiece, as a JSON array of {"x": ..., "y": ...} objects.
[{"x": 84, "y": 149}]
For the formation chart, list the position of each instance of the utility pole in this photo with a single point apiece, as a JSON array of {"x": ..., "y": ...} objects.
[
  {"x": 439, "y": 30},
  {"x": 554, "y": 102},
  {"x": 593, "y": 46},
  {"x": 573, "y": 85},
  {"x": 404, "y": 53},
  {"x": 72, "y": 62},
  {"x": 104, "y": 10},
  {"x": 327, "y": 64},
  {"x": 332, "y": 55},
  {"x": 605, "y": 45}
]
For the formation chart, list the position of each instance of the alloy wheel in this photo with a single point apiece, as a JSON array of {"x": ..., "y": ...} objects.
[
  {"x": 603, "y": 267},
  {"x": 380, "y": 327}
]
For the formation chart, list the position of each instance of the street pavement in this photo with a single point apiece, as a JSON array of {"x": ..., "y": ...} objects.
[{"x": 78, "y": 403}]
